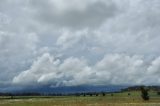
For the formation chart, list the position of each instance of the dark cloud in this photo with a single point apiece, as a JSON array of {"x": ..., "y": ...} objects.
[{"x": 93, "y": 14}]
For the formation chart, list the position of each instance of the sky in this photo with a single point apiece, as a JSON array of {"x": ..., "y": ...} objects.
[{"x": 79, "y": 42}]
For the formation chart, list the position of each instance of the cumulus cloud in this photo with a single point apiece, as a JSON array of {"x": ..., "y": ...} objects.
[
  {"x": 43, "y": 65},
  {"x": 112, "y": 69},
  {"x": 49, "y": 70},
  {"x": 153, "y": 70},
  {"x": 69, "y": 38}
]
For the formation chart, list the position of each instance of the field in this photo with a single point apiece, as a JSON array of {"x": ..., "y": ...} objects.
[{"x": 117, "y": 99}]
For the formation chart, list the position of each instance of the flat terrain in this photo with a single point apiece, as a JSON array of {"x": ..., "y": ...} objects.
[{"x": 118, "y": 99}]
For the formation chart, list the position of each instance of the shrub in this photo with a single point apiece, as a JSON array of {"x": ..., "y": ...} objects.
[{"x": 144, "y": 93}]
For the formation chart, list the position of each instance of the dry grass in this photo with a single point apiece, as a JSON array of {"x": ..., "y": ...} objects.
[
  {"x": 120, "y": 99},
  {"x": 81, "y": 101}
]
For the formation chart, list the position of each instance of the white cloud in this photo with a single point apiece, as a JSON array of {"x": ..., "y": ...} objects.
[
  {"x": 155, "y": 66},
  {"x": 121, "y": 69},
  {"x": 69, "y": 39},
  {"x": 112, "y": 69},
  {"x": 153, "y": 72},
  {"x": 48, "y": 70},
  {"x": 43, "y": 65}
]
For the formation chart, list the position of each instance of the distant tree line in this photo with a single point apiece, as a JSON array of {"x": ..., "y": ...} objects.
[
  {"x": 20, "y": 94},
  {"x": 138, "y": 88},
  {"x": 58, "y": 94}
]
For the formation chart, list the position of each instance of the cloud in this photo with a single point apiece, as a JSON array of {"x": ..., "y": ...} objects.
[
  {"x": 41, "y": 41},
  {"x": 69, "y": 38},
  {"x": 116, "y": 69},
  {"x": 121, "y": 69},
  {"x": 43, "y": 65},
  {"x": 153, "y": 70},
  {"x": 73, "y": 14},
  {"x": 14, "y": 51},
  {"x": 47, "y": 70}
]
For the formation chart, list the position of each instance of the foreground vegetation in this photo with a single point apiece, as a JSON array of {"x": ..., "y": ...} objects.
[{"x": 116, "y": 99}]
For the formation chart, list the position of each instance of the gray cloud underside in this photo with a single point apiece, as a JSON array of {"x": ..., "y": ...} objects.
[{"x": 95, "y": 42}]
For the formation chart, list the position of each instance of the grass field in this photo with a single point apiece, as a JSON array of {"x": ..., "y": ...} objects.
[{"x": 118, "y": 99}]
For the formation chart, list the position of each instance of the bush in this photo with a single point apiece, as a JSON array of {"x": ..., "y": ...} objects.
[
  {"x": 112, "y": 94},
  {"x": 144, "y": 93},
  {"x": 158, "y": 93},
  {"x": 129, "y": 94},
  {"x": 103, "y": 94}
]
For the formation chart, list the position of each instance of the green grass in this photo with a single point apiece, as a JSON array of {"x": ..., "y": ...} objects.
[{"x": 118, "y": 99}]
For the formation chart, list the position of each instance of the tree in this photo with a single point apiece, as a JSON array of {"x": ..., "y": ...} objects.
[
  {"x": 144, "y": 93},
  {"x": 129, "y": 94},
  {"x": 103, "y": 94},
  {"x": 96, "y": 94},
  {"x": 111, "y": 94},
  {"x": 84, "y": 94},
  {"x": 90, "y": 94}
]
